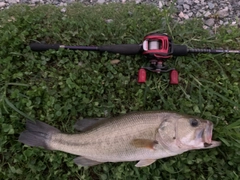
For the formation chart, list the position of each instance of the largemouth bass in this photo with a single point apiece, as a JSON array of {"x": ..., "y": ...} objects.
[{"x": 140, "y": 136}]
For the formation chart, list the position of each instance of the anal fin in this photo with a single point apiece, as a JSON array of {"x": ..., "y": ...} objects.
[
  {"x": 145, "y": 162},
  {"x": 85, "y": 161}
]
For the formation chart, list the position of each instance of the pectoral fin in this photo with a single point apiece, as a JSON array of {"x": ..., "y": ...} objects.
[
  {"x": 86, "y": 162},
  {"x": 145, "y": 162},
  {"x": 144, "y": 143},
  {"x": 85, "y": 124}
]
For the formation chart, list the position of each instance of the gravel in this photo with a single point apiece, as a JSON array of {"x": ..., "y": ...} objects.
[
  {"x": 210, "y": 22},
  {"x": 214, "y": 13}
]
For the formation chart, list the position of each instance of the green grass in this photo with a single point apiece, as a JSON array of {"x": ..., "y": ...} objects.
[{"x": 58, "y": 87}]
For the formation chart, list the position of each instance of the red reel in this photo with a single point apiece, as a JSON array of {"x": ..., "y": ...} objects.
[{"x": 158, "y": 46}]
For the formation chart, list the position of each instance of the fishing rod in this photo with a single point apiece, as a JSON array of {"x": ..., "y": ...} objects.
[{"x": 157, "y": 48}]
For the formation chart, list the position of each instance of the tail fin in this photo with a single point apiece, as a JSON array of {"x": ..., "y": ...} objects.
[{"x": 37, "y": 134}]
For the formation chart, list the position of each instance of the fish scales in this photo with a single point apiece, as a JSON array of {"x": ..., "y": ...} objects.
[
  {"x": 113, "y": 138},
  {"x": 142, "y": 136}
]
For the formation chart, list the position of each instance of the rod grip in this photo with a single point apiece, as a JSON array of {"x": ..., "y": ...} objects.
[
  {"x": 179, "y": 50},
  {"x": 125, "y": 49},
  {"x": 43, "y": 47}
]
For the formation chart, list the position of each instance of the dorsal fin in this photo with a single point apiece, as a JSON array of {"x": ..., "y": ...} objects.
[{"x": 86, "y": 124}]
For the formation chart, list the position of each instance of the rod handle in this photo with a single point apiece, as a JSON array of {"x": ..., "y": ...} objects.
[
  {"x": 125, "y": 49},
  {"x": 179, "y": 50},
  {"x": 43, "y": 47}
]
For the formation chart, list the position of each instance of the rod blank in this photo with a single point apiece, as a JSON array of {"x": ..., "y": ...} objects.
[{"x": 213, "y": 51}]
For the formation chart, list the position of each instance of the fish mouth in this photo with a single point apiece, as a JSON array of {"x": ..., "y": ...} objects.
[
  {"x": 207, "y": 136},
  {"x": 212, "y": 145},
  {"x": 206, "y": 144}
]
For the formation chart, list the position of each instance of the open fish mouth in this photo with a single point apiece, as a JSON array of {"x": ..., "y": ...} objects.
[
  {"x": 207, "y": 144},
  {"x": 207, "y": 136},
  {"x": 212, "y": 145}
]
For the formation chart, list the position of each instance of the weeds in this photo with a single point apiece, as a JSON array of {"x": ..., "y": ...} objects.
[{"x": 58, "y": 87}]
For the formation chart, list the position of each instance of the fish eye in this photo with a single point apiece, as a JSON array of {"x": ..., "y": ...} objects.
[{"x": 193, "y": 122}]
